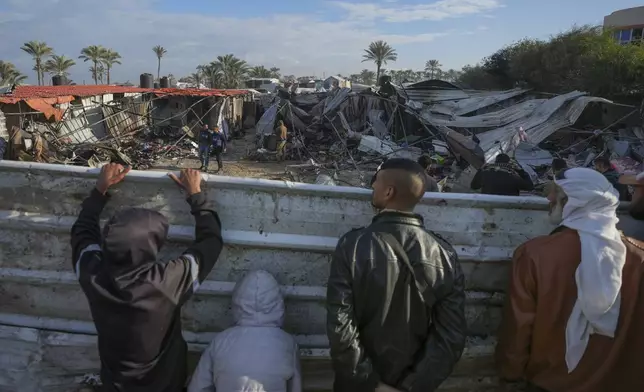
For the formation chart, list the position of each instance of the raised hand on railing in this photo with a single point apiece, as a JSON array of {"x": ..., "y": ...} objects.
[{"x": 111, "y": 174}]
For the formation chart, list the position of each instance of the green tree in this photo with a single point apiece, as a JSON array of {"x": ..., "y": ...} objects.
[
  {"x": 38, "y": 50},
  {"x": 233, "y": 70},
  {"x": 160, "y": 52},
  {"x": 380, "y": 53},
  {"x": 275, "y": 72},
  {"x": 98, "y": 72},
  {"x": 110, "y": 58},
  {"x": 213, "y": 74},
  {"x": 9, "y": 74},
  {"x": 95, "y": 54},
  {"x": 259, "y": 72},
  {"x": 59, "y": 65},
  {"x": 433, "y": 67},
  {"x": 367, "y": 77}
]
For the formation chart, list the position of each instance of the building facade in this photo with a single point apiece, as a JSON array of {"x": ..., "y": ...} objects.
[{"x": 628, "y": 24}]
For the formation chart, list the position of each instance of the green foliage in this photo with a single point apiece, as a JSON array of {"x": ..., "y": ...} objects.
[
  {"x": 9, "y": 74},
  {"x": 583, "y": 58},
  {"x": 380, "y": 53}
]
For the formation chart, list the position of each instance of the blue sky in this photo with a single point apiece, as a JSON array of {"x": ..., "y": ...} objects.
[{"x": 302, "y": 37}]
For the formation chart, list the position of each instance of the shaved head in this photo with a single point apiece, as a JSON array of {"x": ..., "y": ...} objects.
[{"x": 399, "y": 184}]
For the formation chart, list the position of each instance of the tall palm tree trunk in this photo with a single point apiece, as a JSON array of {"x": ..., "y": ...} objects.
[
  {"x": 38, "y": 72},
  {"x": 159, "y": 70},
  {"x": 108, "y": 75},
  {"x": 378, "y": 65}
]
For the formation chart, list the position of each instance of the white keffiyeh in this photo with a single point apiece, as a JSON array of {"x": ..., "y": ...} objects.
[{"x": 591, "y": 210}]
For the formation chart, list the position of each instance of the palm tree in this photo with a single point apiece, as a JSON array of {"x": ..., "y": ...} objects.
[
  {"x": 380, "y": 53},
  {"x": 9, "y": 74},
  {"x": 212, "y": 72},
  {"x": 110, "y": 57},
  {"x": 59, "y": 65},
  {"x": 232, "y": 68},
  {"x": 159, "y": 51},
  {"x": 275, "y": 72},
  {"x": 367, "y": 76},
  {"x": 95, "y": 54},
  {"x": 432, "y": 67},
  {"x": 97, "y": 72},
  {"x": 260, "y": 72},
  {"x": 38, "y": 50}
]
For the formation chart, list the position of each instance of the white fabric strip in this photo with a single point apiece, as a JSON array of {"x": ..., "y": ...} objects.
[
  {"x": 194, "y": 271},
  {"x": 89, "y": 248}
]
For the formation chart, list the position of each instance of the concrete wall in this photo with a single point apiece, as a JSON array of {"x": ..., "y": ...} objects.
[
  {"x": 288, "y": 229},
  {"x": 629, "y": 17}
]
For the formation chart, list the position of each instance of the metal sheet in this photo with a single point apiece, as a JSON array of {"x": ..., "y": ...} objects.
[{"x": 547, "y": 118}]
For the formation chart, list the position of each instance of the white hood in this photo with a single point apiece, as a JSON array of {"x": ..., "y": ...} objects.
[{"x": 257, "y": 301}]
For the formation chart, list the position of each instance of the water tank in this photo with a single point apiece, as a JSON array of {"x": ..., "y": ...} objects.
[
  {"x": 165, "y": 83},
  {"x": 58, "y": 80},
  {"x": 147, "y": 80},
  {"x": 157, "y": 85}
]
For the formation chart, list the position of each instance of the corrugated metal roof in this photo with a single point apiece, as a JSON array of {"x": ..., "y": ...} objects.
[
  {"x": 66, "y": 93},
  {"x": 538, "y": 124}
]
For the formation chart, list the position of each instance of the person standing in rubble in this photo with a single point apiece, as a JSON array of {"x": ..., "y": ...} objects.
[
  {"x": 135, "y": 299},
  {"x": 218, "y": 146},
  {"x": 282, "y": 134},
  {"x": 205, "y": 141},
  {"x": 427, "y": 163},
  {"x": 604, "y": 166},
  {"x": 395, "y": 294},
  {"x": 573, "y": 317},
  {"x": 503, "y": 177}
]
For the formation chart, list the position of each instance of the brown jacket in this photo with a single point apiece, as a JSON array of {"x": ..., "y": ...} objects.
[{"x": 541, "y": 296}]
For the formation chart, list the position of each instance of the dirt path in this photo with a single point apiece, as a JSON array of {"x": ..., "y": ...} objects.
[{"x": 234, "y": 161}]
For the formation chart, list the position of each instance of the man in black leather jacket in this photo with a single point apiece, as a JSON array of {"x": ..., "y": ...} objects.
[{"x": 395, "y": 299}]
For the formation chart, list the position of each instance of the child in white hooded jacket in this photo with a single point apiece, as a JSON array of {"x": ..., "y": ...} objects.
[{"x": 255, "y": 355}]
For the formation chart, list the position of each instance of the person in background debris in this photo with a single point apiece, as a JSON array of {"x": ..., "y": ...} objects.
[
  {"x": 218, "y": 146},
  {"x": 255, "y": 354},
  {"x": 395, "y": 295},
  {"x": 426, "y": 162},
  {"x": 603, "y": 165},
  {"x": 205, "y": 141},
  {"x": 283, "y": 137},
  {"x": 572, "y": 319},
  {"x": 502, "y": 178},
  {"x": 134, "y": 298}
]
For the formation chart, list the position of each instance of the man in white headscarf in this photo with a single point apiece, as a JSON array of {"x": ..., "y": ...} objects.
[{"x": 573, "y": 319}]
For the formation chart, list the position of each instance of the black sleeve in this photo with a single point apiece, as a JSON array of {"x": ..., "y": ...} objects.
[
  {"x": 180, "y": 278},
  {"x": 447, "y": 334},
  {"x": 86, "y": 231},
  {"x": 526, "y": 183},
  {"x": 476, "y": 181},
  {"x": 349, "y": 359}
]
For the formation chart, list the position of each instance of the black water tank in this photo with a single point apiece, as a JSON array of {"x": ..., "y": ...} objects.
[
  {"x": 157, "y": 85},
  {"x": 58, "y": 80},
  {"x": 147, "y": 80},
  {"x": 165, "y": 83}
]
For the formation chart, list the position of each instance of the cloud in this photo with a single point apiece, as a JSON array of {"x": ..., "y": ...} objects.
[
  {"x": 298, "y": 44},
  {"x": 438, "y": 10}
]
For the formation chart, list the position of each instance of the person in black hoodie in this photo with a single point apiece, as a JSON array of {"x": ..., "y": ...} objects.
[{"x": 135, "y": 299}]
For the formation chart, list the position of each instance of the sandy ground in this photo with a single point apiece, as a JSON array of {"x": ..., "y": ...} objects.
[{"x": 235, "y": 162}]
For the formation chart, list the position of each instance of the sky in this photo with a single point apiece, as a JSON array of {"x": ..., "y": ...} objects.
[{"x": 301, "y": 37}]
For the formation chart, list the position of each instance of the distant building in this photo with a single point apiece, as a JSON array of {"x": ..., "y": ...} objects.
[
  {"x": 628, "y": 24},
  {"x": 336, "y": 81}
]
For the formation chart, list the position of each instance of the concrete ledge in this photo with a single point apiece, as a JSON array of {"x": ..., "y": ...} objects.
[{"x": 33, "y": 360}]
